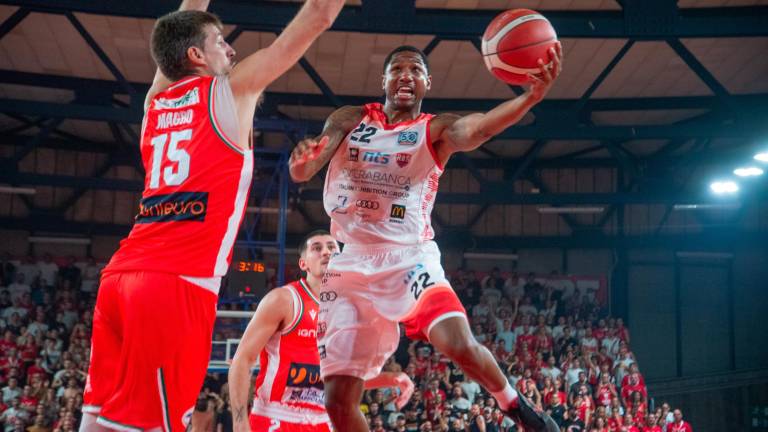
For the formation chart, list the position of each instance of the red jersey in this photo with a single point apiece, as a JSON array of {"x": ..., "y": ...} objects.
[
  {"x": 289, "y": 387},
  {"x": 604, "y": 395},
  {"x": 652, "y": 429},
  {"x": 683, "y": 426},
  {"x": 196, "y": 184}
]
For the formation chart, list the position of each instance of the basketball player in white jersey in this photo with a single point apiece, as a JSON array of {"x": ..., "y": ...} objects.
[
  {"x": 288, "y": 394},
  {"x": 385, "y": 164}
]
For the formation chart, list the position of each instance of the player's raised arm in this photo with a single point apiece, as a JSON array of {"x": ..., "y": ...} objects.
[
  {"x": 460, "y": 134},
  {"x": 271, "y": 316},
  {"x": 160, "y": 81},
  {"x": 252, "y": 75},
  {"x": 311, "y": 154}
]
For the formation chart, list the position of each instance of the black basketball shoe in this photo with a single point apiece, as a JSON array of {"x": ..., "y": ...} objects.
[{"x": 528, "y": 420}]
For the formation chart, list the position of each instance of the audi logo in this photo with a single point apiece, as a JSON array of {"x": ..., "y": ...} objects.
[
  {"x": 328, "y": 296},
  {"x": 371, "y": 205}
]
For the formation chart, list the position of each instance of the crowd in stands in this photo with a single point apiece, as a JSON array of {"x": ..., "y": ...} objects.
[{"x": 557, "y": 346}]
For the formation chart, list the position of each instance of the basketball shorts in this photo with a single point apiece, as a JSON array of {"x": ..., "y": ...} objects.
[
  {"x": 366, "y": 292},
  {"x": 266, "y": 424},
  {"x": 150, "y": 351}
]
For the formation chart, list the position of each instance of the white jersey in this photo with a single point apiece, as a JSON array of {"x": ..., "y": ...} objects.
[{"x": 382, "y": 182}]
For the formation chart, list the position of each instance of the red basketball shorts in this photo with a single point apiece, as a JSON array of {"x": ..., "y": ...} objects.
[
  {"x": 266, "y": 424},
  {"x": 150, "y": 350}
]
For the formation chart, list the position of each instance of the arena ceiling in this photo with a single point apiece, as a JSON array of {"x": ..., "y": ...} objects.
[{"x": 648, "y": 87}]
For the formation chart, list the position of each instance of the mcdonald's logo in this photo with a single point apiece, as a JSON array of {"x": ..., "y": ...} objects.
[{"x": 397, "y": 212}]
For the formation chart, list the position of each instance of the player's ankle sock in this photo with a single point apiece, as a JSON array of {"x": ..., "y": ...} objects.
[{"x": 507, "y": 397}]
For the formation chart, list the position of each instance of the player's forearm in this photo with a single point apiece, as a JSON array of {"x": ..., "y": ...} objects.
[
  {"x": 239, "y": 378},
  {"x": 503, "y": 116}
]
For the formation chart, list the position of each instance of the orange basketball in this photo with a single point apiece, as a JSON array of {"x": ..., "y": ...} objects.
[{"x": 514, "y": 42}]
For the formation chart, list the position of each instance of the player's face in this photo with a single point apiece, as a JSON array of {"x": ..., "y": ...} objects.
[
  {"x": 406, "y": 80},
  {"x": 219, "y": 56},
  {"x": 319, "y": 251}
]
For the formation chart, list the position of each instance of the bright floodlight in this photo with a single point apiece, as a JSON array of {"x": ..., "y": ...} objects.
[
  {"x": 762, "y": 156},
  {"x": 724, "y": 187},
  {"x": 748, "y": 171}
]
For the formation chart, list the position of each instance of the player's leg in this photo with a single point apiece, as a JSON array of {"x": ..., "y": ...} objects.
[
  {"x": 182, "y": 373},
  {"x": 354, "y": 340},
  {"x": 104, "y": 372},
  {"x": 343, "y": 395},
  {"x": 452, "y": 337}
]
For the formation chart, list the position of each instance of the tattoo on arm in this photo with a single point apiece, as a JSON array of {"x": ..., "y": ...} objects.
[{"x": 239, "y": 414}]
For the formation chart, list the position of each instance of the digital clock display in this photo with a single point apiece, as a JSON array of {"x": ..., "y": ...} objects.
[{"x": 250, "y": 266}]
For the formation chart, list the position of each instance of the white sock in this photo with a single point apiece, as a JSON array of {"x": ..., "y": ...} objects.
[{"x": 506, "y": 397}]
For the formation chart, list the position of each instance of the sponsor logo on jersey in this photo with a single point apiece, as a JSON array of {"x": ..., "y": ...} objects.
[
  {"x": 313, "y": 314},
  {"x": 377, "y": 177},
  {"x": 328, "y": 296},
  {"x": 192, "y": 97},
  {"x": 175, "y": 118},
  {"x": 376, "y": 157},
  {"x": 175, "y": 207},
  {"x": 412, "y": 273},
  {"x": 354, "y": 153},
  {"x": 304, "y": 375},
  {"x": 307, "y": 333},
  {"x": 321, "y": 351},
  {"x": 402, "y": 159},
  {"x": 408, "y": 138},
  {"x": 304, "y": 384},
  {"x": 322, "y": 327},
  {"x": 341, "y": 205},
  {"x": 397, "y": 212},
  {"x": 367, "y": 204}
]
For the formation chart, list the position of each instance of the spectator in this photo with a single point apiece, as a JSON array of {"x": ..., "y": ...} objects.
[
  {"x": 11, "y": 392},
  {"x": 90, "y": 277},
  {"x": 678, "y": 424},
  {"x": 48, "y": 271},
  {"x": 19, "y": 287},
  {"x": 70, "y": 273},
  {"x": 7, "y": 270},
  {"x": 29, "y": 269}
]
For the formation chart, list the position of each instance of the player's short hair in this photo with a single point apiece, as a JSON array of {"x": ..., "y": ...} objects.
[
  {"x": 305, "y": 240},
  {"x": 406, "y": 48},
  {"x": 174, "y": 34}
]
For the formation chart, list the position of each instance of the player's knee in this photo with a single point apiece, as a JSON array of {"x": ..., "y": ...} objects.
[
  {"x": 463, "y": 350},
  {"x": 339, "y": 400}
]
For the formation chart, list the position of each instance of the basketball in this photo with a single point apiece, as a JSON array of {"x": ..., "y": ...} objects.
[{"x": 514, "y": 42}]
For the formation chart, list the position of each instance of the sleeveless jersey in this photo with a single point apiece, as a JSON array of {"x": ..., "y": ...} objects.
[
  {"x": 288, "y": 387},
  {"x": 382, "y": 181},
  {"x": 196, "y": 184}
]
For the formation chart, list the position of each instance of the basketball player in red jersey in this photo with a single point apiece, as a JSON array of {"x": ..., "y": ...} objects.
[
  {"x": 157, "y": 300},
  {"x": 385, "y": 164},
  {"x": 288, "y": 395}
]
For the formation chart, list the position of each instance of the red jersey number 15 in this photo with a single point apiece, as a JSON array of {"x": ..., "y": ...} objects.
[{"x": 173, "y": 174}]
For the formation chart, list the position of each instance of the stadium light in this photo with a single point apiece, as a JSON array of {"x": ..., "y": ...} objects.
[
  {"x": 707, "y": 206},
  {"x": 490, "y": 256},
  {"x": 762, "y": 157},
  {"x": 570, "y": 210},
  {"x": 17, "y": 190},
  {"x": 723, "y": 187},
  {"x": 60, "y": 240},
  {"x": 750, "y": 171}
]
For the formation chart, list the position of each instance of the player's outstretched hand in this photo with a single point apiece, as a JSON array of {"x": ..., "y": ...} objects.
[
  {"x": 307, "y": 150},
  {"x": 406, "y": 387},
  {"x": 548, "y": 73}
]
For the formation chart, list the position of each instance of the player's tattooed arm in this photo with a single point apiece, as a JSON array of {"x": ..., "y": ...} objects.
[{"x": 310, "y": 155}]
